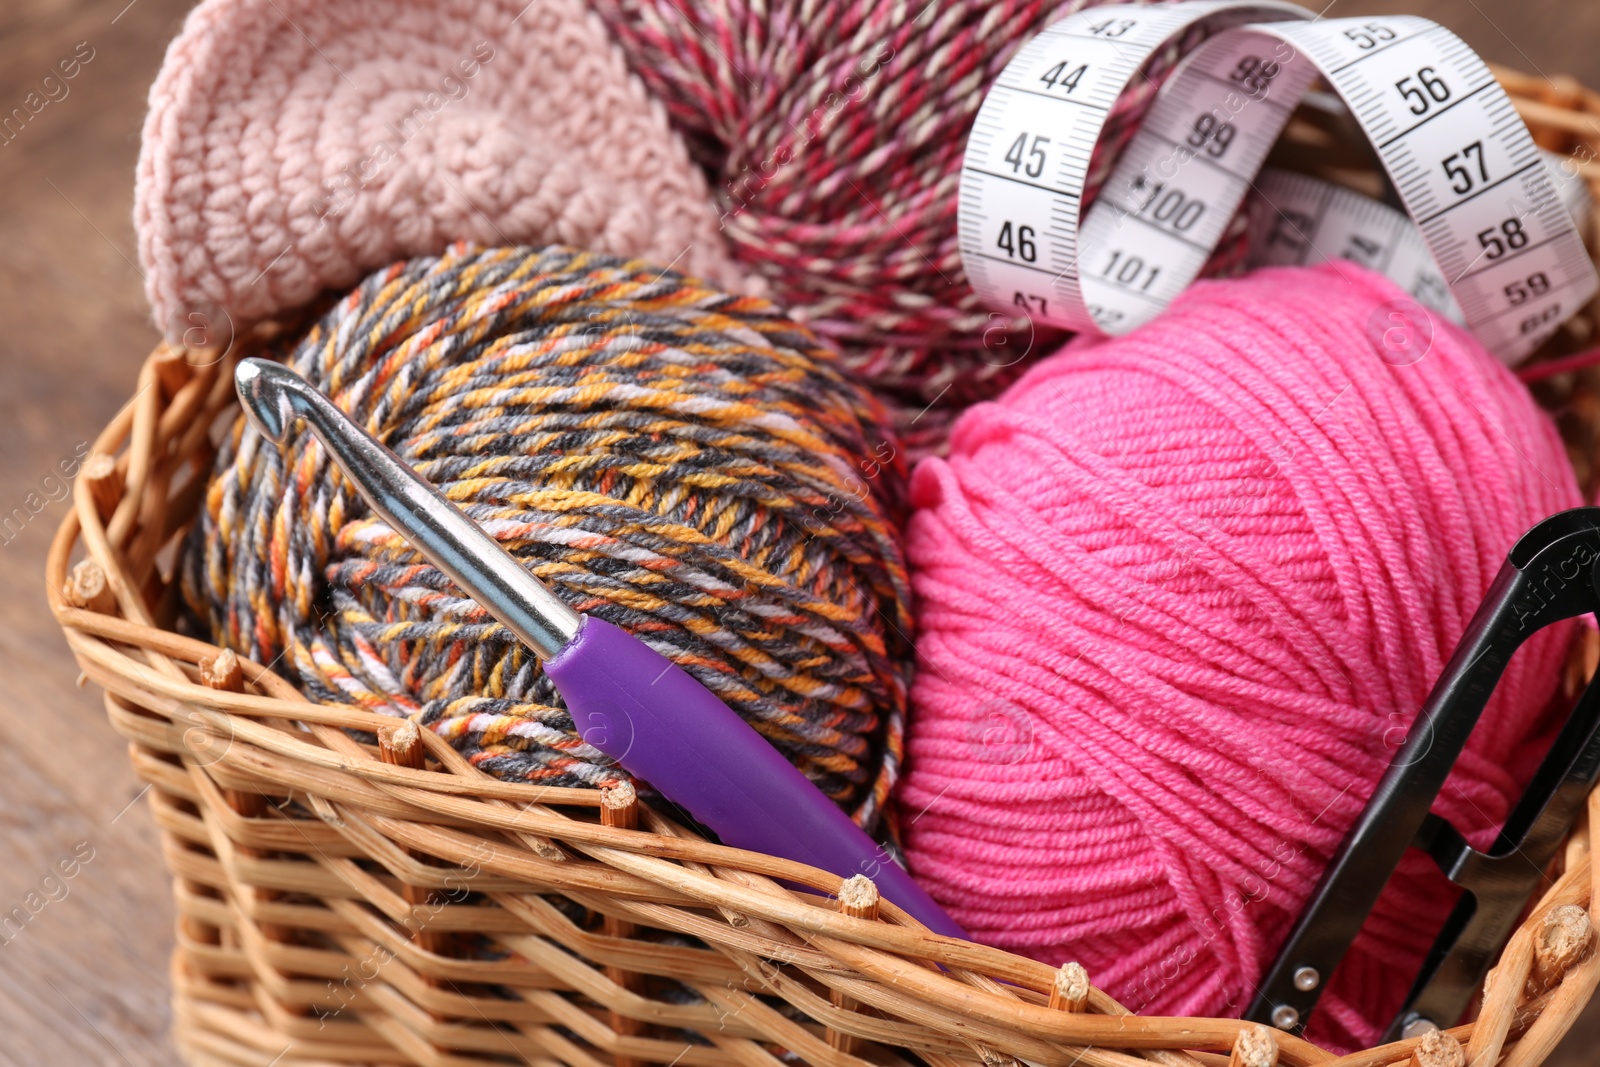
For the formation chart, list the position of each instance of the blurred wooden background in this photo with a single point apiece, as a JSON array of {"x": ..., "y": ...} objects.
[{"x": 85, "y": 981}]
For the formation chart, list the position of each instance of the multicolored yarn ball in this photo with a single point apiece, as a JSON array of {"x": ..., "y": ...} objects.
[
  {"x": 1180, "y": 595},
  {"x": 679, "y": 461},
  {"x": 832, "y": 133}
]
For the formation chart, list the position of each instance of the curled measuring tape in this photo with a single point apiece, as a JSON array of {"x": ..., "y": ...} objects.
[{"x": 1480, "y": 197}]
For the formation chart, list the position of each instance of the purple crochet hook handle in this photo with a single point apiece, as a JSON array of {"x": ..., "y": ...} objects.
[
  {"x": 648, "y": 714},
  {"x": 627, "y": 700}
]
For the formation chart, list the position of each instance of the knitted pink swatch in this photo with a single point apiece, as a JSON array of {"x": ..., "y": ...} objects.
[
  {"x": 1180, "y": 595},
  {"x": 294, "y": 145}
]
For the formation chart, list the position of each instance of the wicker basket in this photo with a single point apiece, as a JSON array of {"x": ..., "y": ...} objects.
[{"x": 341, "y": 902}]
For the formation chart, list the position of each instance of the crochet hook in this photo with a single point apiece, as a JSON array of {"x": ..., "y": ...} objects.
[{"x": 627, "y": 700}]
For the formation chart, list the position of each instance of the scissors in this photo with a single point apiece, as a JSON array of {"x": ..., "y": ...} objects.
[{"x": 1551, "y": 575}]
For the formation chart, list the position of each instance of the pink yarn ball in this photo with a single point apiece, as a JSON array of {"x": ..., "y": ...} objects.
[{"x": 1180, "y": 594}]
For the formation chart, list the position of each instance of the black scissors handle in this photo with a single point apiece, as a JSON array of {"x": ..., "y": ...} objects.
[{"x": 1551, "y": 575}]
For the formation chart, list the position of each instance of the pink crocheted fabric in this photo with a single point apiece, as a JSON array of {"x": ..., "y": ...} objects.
[{"x": 294, "y": 145}]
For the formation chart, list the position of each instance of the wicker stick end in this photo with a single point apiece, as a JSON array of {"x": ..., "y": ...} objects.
[
  {"x": 223, "y": 672},
  {"x": 1564, "y": 938},
  {"x": 858, "y": 897},
  {"x": 619, "y": 806},
  {"x": 399, "y": 746},
  {"x": 619, "y": 809},
  {"x": 1438, "y": 1049},
  {"x": 100, "y": 473},
  {"x": 1071, "y": 989},
  {"x": 89, "y": 588},
  {"x": 1254, "y": 1047}
]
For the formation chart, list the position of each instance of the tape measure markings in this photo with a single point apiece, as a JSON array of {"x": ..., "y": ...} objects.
[
  {"x": 1094, "y": 69},
  {"x": 1467, "y": 172},
  {"x": 1536, "y": 274},
  {"x": 1263, "y": 72},
  {"x": 1298, "y": 220},
  {"x": 1329, "y": 222},
  {"x": 1442, "y": 111}
]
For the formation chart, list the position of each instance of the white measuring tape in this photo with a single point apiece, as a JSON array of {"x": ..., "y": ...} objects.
[
  {"x": 1486, "y": 222},
  {"x": 1298, "y": 220}
]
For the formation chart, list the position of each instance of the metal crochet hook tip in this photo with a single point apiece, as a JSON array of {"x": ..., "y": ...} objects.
[
  {"x": 272, "y": 395},
  {"x": 275, "y": 397}
]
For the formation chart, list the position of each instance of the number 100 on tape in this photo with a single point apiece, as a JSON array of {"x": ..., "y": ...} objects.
[{"x": 1459, "y": 157}]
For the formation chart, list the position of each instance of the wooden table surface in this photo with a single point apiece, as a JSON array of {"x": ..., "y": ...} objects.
[{"x": 85, "y": 981}]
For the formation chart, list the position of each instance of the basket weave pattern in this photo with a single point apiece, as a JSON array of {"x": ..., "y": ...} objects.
[{"x": 344, "y": 902}]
